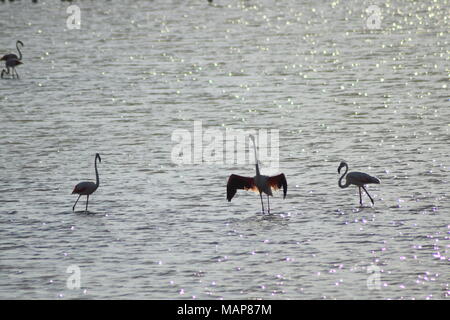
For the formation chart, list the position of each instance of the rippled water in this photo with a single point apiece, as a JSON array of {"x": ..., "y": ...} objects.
[{"x": 138, "y": 70}]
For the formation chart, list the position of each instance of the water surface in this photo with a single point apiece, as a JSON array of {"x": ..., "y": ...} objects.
[{"x": 138, "y": 70}]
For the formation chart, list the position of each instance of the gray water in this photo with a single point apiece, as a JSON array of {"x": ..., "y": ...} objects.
[{"x": 137, "y": 71}]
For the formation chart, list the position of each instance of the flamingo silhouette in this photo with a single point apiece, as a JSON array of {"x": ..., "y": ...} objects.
[
  {"x": 86, "y": 188},
  {"x": 259, "y": 183},
  {"x": 358, "y": 179},
  {"x": 11, "y": 61}
]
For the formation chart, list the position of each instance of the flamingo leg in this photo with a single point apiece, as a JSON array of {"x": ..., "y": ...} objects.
[
  {"x": 360, "y": 196},
  {"x": 268, "y": 206},
  {"x": 5, "y": 71},
  {"x": 368, "y": 195},
  {"x": 262, "y": 204},
  {"x": 73, "y": 208},
  {"x": 87, "y": 202}
]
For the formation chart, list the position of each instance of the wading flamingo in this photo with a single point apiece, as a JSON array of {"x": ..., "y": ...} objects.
[
  {"x": 87, "y": 188},
  {"x": 359, "y": 179},
  {"x": 259, "y": 183}
]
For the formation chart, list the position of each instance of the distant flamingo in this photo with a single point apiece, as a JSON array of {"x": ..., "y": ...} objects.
[
  {"x": 11, "y": 64},
  {"x": 12, "y": 55},
  {"x": 258, "y": 183},
  {"x": 87, "y": 188},
  {"x": 359, "y": 179}
]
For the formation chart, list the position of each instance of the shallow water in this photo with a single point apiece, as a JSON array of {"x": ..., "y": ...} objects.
[{"x": 137, "y": 71}]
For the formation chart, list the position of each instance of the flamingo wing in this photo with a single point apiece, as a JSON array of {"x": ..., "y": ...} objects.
[
  {"x": 278, "y": 181},
  {"x": 78, "y": 189},
  {"x": 238, "y": 182},
  {"x": 9, "y": 56},
  {"x": 361, "y": 178},
  {"x": 84, "y": 188}
]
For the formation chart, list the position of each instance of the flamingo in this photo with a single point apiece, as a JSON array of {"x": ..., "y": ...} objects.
[
  {"x": 87, "y": 188},
  {"x": 12, "y": 55},
  {"x": 11, "y": 63},
  {"x": 358, "y": 179},
  {"x": 259, "y": 183}
]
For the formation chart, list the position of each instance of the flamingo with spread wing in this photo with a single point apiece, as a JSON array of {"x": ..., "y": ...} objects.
[{"x": 259, "y": 183}]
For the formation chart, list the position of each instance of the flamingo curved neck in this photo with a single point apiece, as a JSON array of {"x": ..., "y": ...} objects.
[
  {"x": 97, "y": 179},
  {"x": 20, "y": 53},
  {"x": 342, "y": 177}
]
